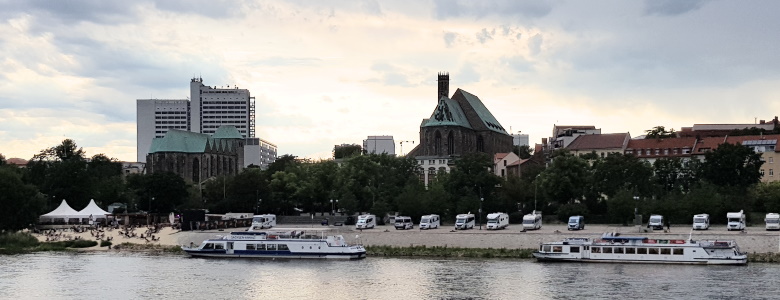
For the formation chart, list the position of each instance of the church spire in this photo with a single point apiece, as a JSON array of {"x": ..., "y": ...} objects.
[{"x": 444, "y": 85}]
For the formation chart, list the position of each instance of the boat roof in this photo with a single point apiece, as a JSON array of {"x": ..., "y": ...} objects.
[{"x": 630, "y": 238}]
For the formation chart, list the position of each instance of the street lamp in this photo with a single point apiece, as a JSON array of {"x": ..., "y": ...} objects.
[
  {"x": 333, "y": 207},
  {"x": 257, "y": 207},
  {"x": 636, "y": 210},
  {"x": 150, "y": 204},
  {"x": 480, "y": 210}
]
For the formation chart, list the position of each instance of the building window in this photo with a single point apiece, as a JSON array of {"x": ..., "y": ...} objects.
[
  {"x": 505, "y": 163},
  {"x": 771, "y": 160},
  {"x": 437, "y": 144},
  {"x": 432, "y": 161},
  {"x": 762, "y": 172},
  {"x": 771, "y": 172},
  {"x": 480, "y": 144},
  {"x": 450, "y": 144}
]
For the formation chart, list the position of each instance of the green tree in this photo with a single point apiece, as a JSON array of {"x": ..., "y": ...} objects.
[
  {"x": 21, "y": 202},
  {"x": 565, "y": 180},
  {"x": 660, "y": 132},
  {"x": 618, "y": 172},
  {"x": 157, "y": 192},
  {"x": 345, "y": 151},
  {"x": 769, "y": 195},
  {"x": 732, "y": 165},
  {"x": 523, "y": 151}
]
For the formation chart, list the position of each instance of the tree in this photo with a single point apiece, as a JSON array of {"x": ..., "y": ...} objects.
[
  {"x": 345, "y": 151},
  {"x": 618, "y": 172},
  {"x": 523, "y": 151},
  {"x": 660, "y": 132},
  {"x": 21, "y": 202},
  {"x": 282, "y": 163},
  {"x": 732, "y": 165},
  {"x": 565, "y": 180},
  {"x": 157, "y": 192}
]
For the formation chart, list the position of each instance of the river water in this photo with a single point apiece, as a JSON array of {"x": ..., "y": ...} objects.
[{"x": 145, "y": 276}]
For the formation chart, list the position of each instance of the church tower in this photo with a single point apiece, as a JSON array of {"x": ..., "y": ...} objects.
[{"x": 444, "y": 86}]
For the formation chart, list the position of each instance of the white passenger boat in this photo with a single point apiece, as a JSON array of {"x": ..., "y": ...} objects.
[
  {"x": 626, "y": 249},
  {"x": 279, "y": 243}
]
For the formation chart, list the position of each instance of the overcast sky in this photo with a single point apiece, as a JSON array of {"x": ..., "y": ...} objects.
[{"x": 332, "y": 72}]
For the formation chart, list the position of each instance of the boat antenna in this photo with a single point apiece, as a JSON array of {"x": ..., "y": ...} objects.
[{"x": 690, "y": 236}]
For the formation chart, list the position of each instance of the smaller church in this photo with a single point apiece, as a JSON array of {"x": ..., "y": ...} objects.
[
  {"x": 197, "y": 156},
  {"x": 459, "y": 125}
]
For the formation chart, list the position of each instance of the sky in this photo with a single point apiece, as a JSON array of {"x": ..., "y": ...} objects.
[{"x": 332, "y": 72}]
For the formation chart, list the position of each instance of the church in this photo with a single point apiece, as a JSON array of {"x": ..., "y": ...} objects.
[{"x": 459, "y": 125}]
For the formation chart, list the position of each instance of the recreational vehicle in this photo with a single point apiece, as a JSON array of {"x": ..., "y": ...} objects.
[
  {"x": 365, "y": 222},
  {"x": 263, "y": 221},
  {"x": 772, "y": 221},
  {"x": 403, "y": 222},
  {"x": 429, "y": 222},
  {"x": 656, "y": 222},
  {"x": 736, "y": 220},
  {"x": 701, "y": 222},
  {"x": 464, "y": 221},
  {"x": 576, "y": 223},
  {"x": 532, "y": 220},
  {"x": 497, "y": 220}
]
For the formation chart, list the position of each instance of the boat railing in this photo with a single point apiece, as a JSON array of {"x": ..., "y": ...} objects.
[{"x": 717, "y": 244}]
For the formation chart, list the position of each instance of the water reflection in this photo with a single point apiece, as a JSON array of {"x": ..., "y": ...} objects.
[{"x": 139, "y": 276}]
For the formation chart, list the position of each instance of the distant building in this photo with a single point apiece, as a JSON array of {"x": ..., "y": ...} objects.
[
  {"x": 207, "y": 109},
  {"x": 133, "y": 168},
  {"x": 601, "y": 144},
  {"x": 259, "y": 152},
  {"x": 520, "y": 140},
  {"x": 563, "y": 135},
  {"x": 459, "y": 125},
  {"x": 501, "y": 161},
  {"x": 716, "y": 130},
  {"x": 378, "y": 144}
]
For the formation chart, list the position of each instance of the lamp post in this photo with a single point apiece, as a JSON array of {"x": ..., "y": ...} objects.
[
  {"x": 150, "y": 204},
  {"x": 636, "y": 209},
  {"x": 536, "y": 187},
  {"x": 257, "y": 206},
  {"x": 480, "y": 211},
  {"x": 333, "y": 207}
]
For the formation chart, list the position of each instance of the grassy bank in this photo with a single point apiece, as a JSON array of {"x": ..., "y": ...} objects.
[
  {"x": 448, "y": 252},
  {"x": 149, "y": 248},
  {"x": 19, "y": 242}
]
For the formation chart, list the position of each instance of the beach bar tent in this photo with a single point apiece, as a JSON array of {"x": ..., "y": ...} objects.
[
  {"x": 62, "y": 214},
  {"x": 94, "y": 213}
]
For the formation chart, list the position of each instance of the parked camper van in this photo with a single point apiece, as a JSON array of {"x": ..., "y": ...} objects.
[
  {"x": 656, "y": 222},
  {"x": 497, "y": 220},
  {"x": 532, "y": 220},
  {"x": 403, "y": 222},
  {"x": 263, "y": 221},
  {"x": 576, "y": 223},
  {"x": 701, "y": 222},
  {"x": 365, "y": 222},
  {"x": 464, "y": 221},
  {"x": 736, "y": 220},
  {"x": 429, "y": 222},
  {"x": 772, "y": 221}
]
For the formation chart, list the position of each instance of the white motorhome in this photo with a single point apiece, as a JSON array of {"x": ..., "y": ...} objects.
[
  {"x": 656, "y": 222},
  {"x": 365, "y": 222},
  {"x": 464, "y": 221},
  {"x": 403, "y": 222},
  {"x": 576, "y": 223},
  {"x": 263, "y": 221},
  {"x": 772, "y": 221},
  {"x": 497, "y": 220},
  {"x": 532, "y": 220},
  {"x": 736, "y": 220},
  {"x": 701, "y": 222},
  {"x": 430, "y": 222}
]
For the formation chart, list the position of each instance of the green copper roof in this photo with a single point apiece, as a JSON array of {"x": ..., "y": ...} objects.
[
  {"x": 227, "y": 132},
  {"x": 484, "y": 114},
  {"x": 447, "y": 113},
  {"x": 191, "y": 142}
]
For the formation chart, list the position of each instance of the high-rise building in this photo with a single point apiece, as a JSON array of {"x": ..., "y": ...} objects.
[
  {"x": 207, "y": 109},
  {"x": 378, "y": 144}
]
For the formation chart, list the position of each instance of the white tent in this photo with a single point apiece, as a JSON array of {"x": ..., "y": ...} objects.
[
  {"x": 64, "y": 212},
  {"x": 93, "y": 211}
]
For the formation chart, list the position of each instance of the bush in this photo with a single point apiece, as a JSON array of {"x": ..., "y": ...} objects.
[
  {"x": 572, "y": 209},
  {"x": 105, "y": 243}
]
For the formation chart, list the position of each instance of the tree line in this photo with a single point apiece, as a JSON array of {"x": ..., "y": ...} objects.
[{"x": 604, "y": 189}]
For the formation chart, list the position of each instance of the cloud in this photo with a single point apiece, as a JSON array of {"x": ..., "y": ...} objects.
[
  {"x": 450, "y": 38},
  {"x": 535, "y": 43},
  {"x": 484, "y": 35},
  {"x": 445, "y": 9},
  {"x": 671, "y": 7}
]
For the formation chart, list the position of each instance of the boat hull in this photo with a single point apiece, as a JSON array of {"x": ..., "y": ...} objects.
[
  {"x": 344, "y": 256},
  {"x": 544, "y": 257}
]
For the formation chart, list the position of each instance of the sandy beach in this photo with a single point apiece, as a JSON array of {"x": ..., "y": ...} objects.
[{"x": 753, "y": 240}]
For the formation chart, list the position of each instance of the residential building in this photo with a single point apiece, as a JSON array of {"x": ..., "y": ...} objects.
[
  {"x": 563, "y": 135},
  {"x": 652, "y": 149},
  {"x": 501, "y": 161},
  {"x": 600, "y": 144},
  {"x": 378, "y": 144},
  {"x": 766, "y": 145},
  {"x": 713, "y": 130},
  {"x": 432, "y": 166}
]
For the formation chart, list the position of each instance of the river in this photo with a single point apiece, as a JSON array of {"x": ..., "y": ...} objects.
[{"x": 144, "y": 276}]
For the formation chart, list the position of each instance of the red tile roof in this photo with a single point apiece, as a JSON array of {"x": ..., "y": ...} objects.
[{"x": 599, "y": 141}]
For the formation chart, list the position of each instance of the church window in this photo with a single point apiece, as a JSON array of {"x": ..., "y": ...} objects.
[
  {"x": 450, "y": 144},
  {"x": 437, "y": 143},
  {"x": 480, "y": 144}
]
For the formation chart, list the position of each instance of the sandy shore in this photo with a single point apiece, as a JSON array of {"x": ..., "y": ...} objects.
[{"x": 754, "y": 240}]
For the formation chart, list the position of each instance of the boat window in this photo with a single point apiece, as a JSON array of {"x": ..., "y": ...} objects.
[
  {"x": 546, "y": 248},
  {"x": 283, "y": 247},
  {"x": 261, "y": 247},
  {"x": 574, "y": 249},
  {"x": 641, "y": 250},
  {"x": 250, "y": 246},
  {"x": 586, "y": 248},
  {"x": 270, "y": 247},
  {"x": 607, "y": 249},
  {"x": 557, "y": 249},
  {"x": 666, "y": 251},
  {"x": 630, "y": 250},
  {"x": 652, "y": 251},
  {"x": 209, "y": 246},
  {"x": 219, "y": 246},
  {"x": 678, "y": 251},
  {"x": 619, "y": 250},
  {"x": 595, "y": 250}
]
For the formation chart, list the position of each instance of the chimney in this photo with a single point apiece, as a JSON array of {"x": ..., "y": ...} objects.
[{"x": 444, "y": 86}]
